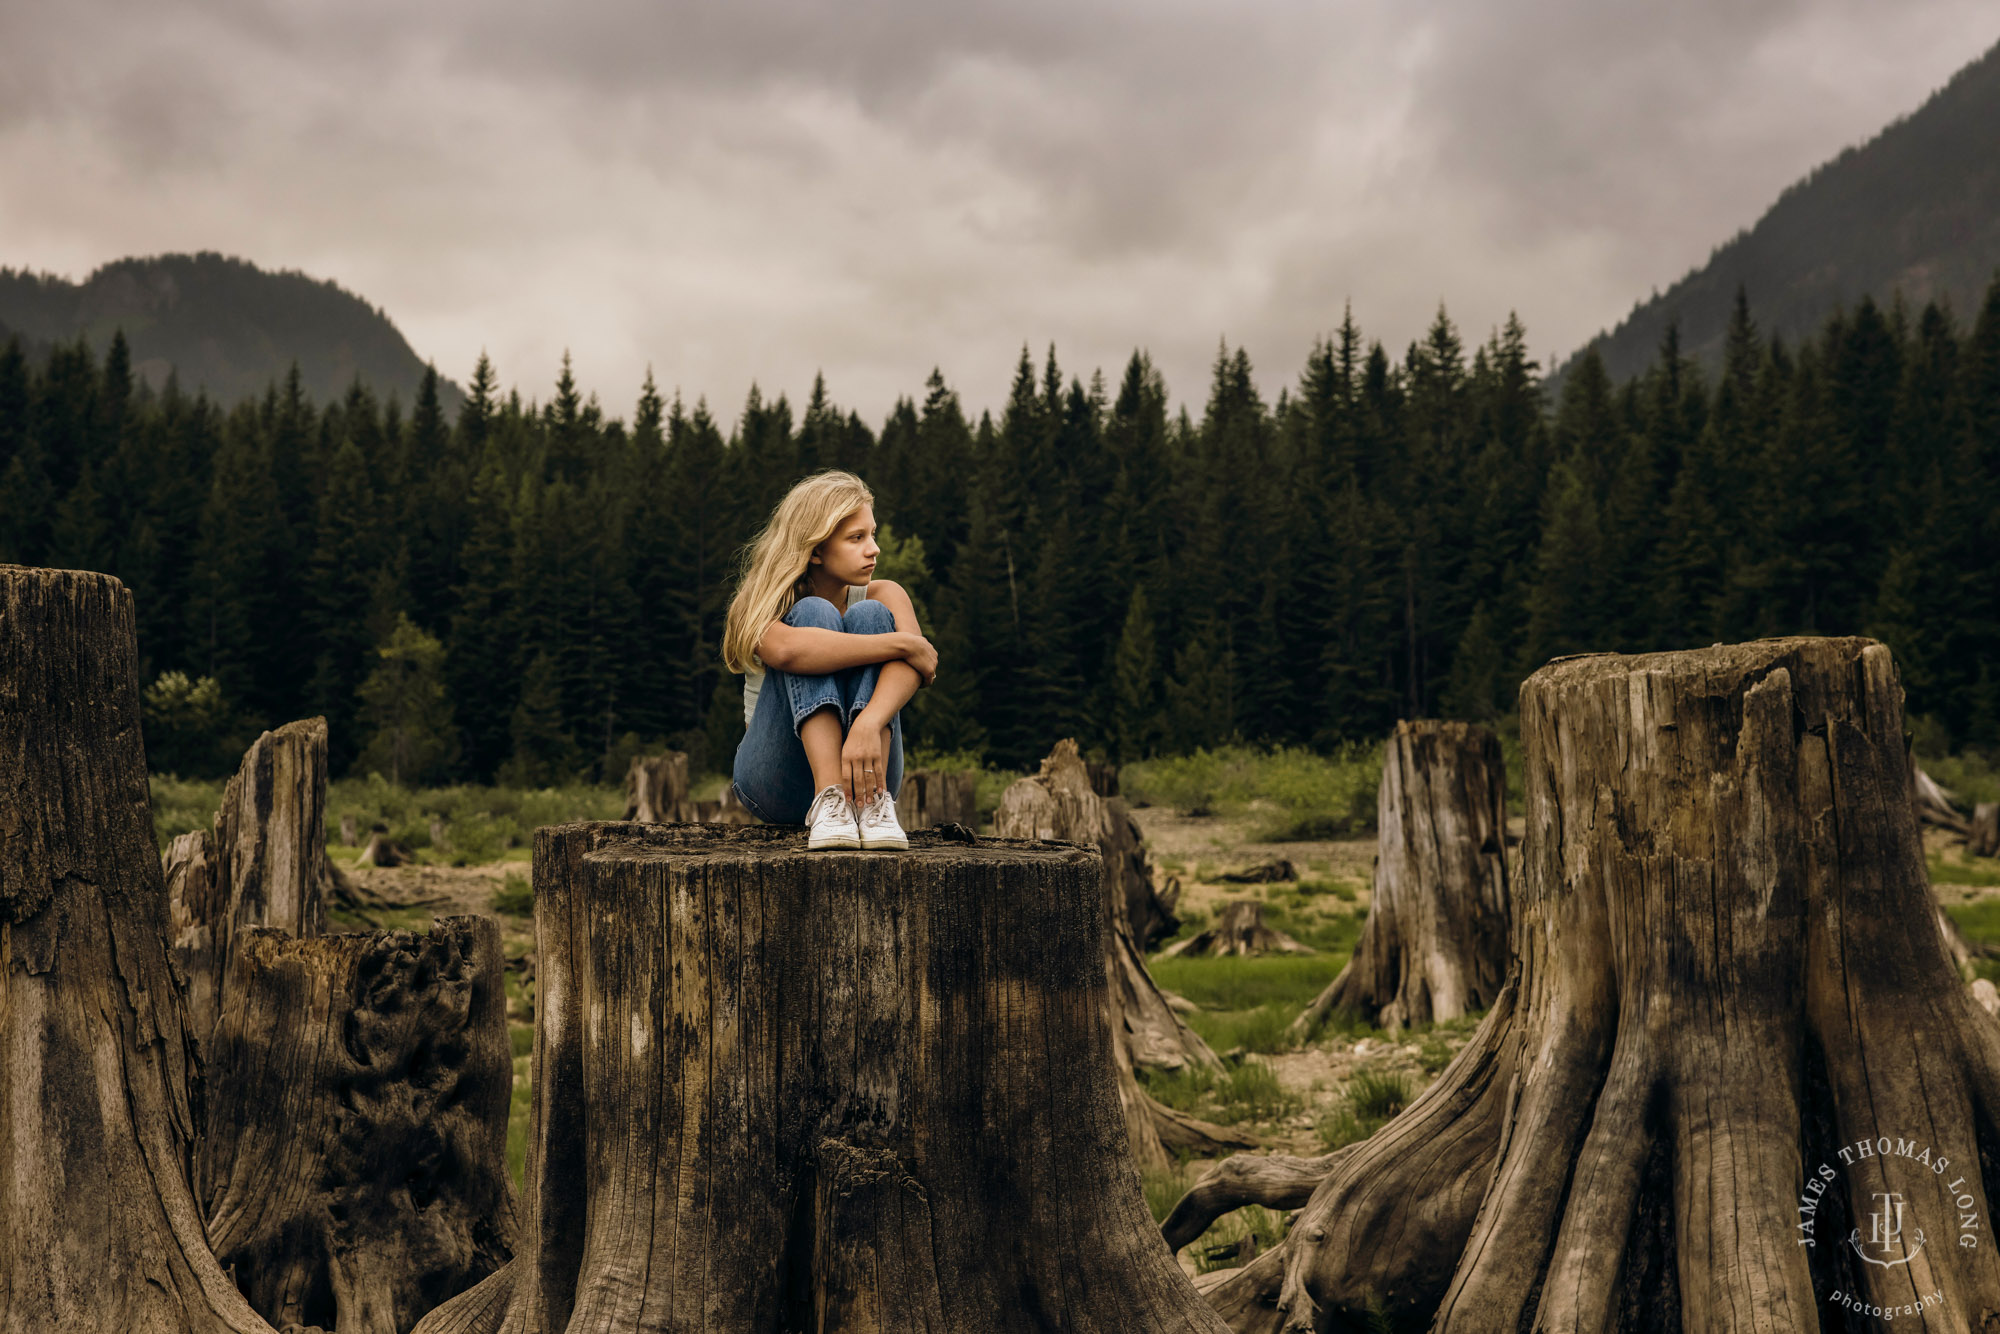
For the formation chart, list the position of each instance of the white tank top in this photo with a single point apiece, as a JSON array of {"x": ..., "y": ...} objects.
[{"x": 753, "y": 680}]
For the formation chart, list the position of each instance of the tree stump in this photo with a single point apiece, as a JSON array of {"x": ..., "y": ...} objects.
[
  {"x": 933, "y": 797},
  {"x": 1733, "y": 1075},
  {"x": 266, "y": 864},
  {"x": 779, "y": 1090},
  {"x": 1149, "y": 913},
  {"x": 1435, "y": 943},
  {"x": 1983, "y": 839},
  {"x": 1240, "y": 930},
  {"x": 382, "y": 851},
  {"x": 1057, "y": 803},
  {"x": 1933, "y": 804},
  {"x": 98, "y": 1228},
  {"x": 348, "y": 830},
  {"x": 354, "y": 1172},
  {"x": 656, "y": 788}
]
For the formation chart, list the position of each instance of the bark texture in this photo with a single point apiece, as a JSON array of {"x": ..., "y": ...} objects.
[
  {"x": 656, "y": 788},
  {"x": 354, "y": 1173},
  {"x": 1240, "y": 929},
  {"x": 1058, "y": 803},
  {"x": 933, "y": 797},
  {"x": 779, "y": 1090},
  {"x": 1435, "y": 943},
  {"x": 98, "y": 1228},
  {"x": 1728, "y": 970}
]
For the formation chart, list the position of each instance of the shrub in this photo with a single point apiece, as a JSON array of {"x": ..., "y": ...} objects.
[
  {"x": 515, "y": 897},
  {"x": 1293, "y": 793},
  {"x": 1378, "y": 1095}
]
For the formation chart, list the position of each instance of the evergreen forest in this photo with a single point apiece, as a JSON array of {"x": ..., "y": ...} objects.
[{"x": 531, "y": 590}]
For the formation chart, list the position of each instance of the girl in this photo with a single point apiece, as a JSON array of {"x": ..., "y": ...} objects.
[{"x": 829, "y": 658}]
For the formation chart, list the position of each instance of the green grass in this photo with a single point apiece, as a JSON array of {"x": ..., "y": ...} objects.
[
  {"x": 481, "y": 824},
  {"x": 1289, "y": 792},
  {"x": 518, "y": 1109},
  {"x": 1963, "y": 870},
  {"x": 1246, "y": 1092},
  {"x": 1373, "y": 1098},
  {"x": 1247, "y": 1003}
]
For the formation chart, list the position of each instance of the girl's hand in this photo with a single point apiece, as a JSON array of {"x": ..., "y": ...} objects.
[
  {"x": 923, "y": 656},
  {"x": 864, "y": 759}
]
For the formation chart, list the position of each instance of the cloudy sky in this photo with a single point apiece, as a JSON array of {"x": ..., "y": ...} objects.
[{"x": 739, "y": 190}]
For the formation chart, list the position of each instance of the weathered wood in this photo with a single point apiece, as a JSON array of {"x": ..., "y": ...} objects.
[
  {"x": 933, "y": 797},
  {"x": 266, "y": 864},
  {"x": 382, "y": 851},
  {"x": 1983, "y": 838},
  {"x": 349, "y": 835},
  {"x": 1934, "y": 805},
  {"x": 1057, "y": 803},
  {"x": 354, "y": 1173},
  {"x": 1727, "y": 974},
  {"x": 1149, "y": 910},
  {"x": 656, "y": 788},
  {"x": 1240, "y": 929},
  {"x": 1434, "y": 946},
  {"x": 98, "y": 1228},
  {"x": 778, "y": 1090}
]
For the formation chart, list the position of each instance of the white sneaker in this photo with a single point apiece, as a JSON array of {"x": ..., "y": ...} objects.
[
  {"x": 878, "y": 823},
  {"x": 831, "y": 821}
]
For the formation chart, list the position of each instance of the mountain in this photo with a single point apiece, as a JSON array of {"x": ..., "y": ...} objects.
[
  {"x": 1916, "y": 210},
  {"x": 224, "y": 324}
]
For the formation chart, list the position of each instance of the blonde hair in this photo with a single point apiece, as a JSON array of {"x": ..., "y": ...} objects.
[{"x": 776, "y": 561}]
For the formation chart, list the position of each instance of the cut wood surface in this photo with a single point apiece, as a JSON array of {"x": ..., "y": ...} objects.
[
  {"x": 98, "y": 1227},
  {"x": 1728, "y": 974},
  {"x": 1057, "y": 803},
  {"x": 354, "y": 1172},
  {"x": 1239, "y": 929},
  {"x": 1434, "y": 946},
  {"x": 933, "y": 797},
  {"x": 778, "y": 1090},
  {"x": 656, "y": 788}
]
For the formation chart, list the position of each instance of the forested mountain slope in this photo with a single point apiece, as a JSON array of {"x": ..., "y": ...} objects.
[
  {"x": 1916, "y": 210},
  {"x": 224, "y": 324}
]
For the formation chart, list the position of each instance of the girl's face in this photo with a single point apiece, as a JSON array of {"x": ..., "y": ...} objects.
[{"x": 849, "y": 555}]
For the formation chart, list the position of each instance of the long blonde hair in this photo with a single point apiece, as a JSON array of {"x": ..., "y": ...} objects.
[{"x": 776, "y": 561}]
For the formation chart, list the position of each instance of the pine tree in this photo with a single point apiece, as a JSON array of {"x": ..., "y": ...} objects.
[
  {"x": 1136, "y": 684},
  {"x": 544, "y": 754},
  {"x": 405, "y": 709}
]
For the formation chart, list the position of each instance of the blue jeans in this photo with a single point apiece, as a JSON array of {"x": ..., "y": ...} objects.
[{"x": 773, "y": 777}]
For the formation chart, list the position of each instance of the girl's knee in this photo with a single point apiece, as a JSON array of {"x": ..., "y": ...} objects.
[
  {"x": 869, "y": 618},
  {"x": 815, "y": 613}
]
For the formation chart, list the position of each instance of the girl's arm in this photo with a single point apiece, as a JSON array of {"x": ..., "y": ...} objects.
[{"x": 810, "y": 651}]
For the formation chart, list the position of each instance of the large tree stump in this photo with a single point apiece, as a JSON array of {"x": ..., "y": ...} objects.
[
  {"x": 354, "y": 1172},
  {"x": 933, "y": 797},
  {"x": 98, "y": 1228},
  {"x": 779, "y": 1090},
  {"x": 1058, "y": 803},
  {"x": 656, "y": 788},
  {"x": 1732, "y": 1034},
  {"x": 1435, "y": 943}
]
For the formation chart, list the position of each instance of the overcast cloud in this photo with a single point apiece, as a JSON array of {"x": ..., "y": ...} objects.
[{"x": 743, "y": 190}]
